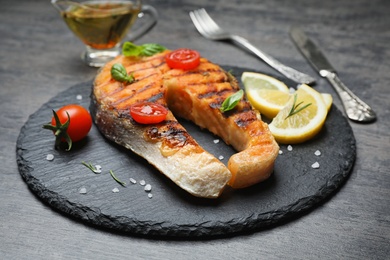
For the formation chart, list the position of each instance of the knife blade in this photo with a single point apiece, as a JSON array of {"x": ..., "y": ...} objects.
[{"x": 355, "y": 108}]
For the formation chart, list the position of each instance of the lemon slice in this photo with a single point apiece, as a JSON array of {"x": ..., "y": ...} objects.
[
  {"x": 262, "y": 81},
  {"x": 265, "y": 93},
  {"x": 328, "y": 99},
  {"x": 304, "y": 124}
]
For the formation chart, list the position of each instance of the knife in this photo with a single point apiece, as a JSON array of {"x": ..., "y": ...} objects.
[{"x": 355, "y": 108}]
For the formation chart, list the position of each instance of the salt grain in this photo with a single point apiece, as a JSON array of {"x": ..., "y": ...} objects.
[
  {"x": 289, "y": 148},
  {"x": 150, "y": 195},
  {"x": 315, "y": 165},
  {"x": 142, "y": 182},
  {"x": 280, "y": 152},
  {"x": 79, "y": 97},
  {"x": 50, "y": 157},
  {"x": 317, "y": 153},
  {"x": 115, "y": 190},
  {"x": 133, "y": 181},
  {"x": 216, "y": 141},
  {"x": 221, "y": 157},
  {"x": 83, "y": 190},
  {"x": 148, "y": 187},
  {"x": 98, "y": 169}
]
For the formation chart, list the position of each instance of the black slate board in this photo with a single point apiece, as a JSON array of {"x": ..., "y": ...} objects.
[{"x": 294, "y": 188}]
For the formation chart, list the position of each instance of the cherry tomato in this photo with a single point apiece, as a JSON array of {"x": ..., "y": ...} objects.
[
  {"x": 148, "y": 113},
  {"x": 185, "y": 59},
  {"x": 80, "y": 121}
]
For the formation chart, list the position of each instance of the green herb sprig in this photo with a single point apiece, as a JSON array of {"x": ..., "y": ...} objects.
[
  {"x": 119, "y": 73},
  {"x": 294, "y": 109},
  {"x": 60, "y": 131},
  {"x": 232, "y": 101},
  {"x": 94, "y": 169},
  {"x": 147, "y": 49},
  {"x": 116, "y": 179},
  {"x": 91, "y": 167}
]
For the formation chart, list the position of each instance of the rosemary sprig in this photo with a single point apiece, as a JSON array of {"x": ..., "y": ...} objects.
[
  {"x": 116, "y": 179},
  {"x": 91, "y": 167},
  {"x": 294, "y": 109}
]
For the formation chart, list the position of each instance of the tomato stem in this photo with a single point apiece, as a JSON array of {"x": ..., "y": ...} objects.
[{"x": 60, "y": 131}]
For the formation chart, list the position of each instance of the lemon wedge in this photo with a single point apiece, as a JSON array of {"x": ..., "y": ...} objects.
[
  {"x": 262, "y": 81},
  {"x": 328, "y": 99},
  {"x": 269, "y": 95},
  {"x": 291, "y": 128},
  {"x": 266, "y": 94}
]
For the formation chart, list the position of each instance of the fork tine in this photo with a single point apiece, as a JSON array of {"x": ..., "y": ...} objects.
[
  {"x": 212, "y": 26},
  {"x": 199, "y": 23},
  {"x": 196, "y": 22}
]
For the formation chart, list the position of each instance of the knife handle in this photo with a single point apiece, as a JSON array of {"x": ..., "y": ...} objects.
[
  {"x": 355, "y": 108},
  {"x": 289, "y": 72}
]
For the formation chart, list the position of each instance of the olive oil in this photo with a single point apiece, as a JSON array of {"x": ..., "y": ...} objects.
[{"x": 101, "y": 25}]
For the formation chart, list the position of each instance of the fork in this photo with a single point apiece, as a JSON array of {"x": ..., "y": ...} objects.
[{"x": 207, "y": 27}]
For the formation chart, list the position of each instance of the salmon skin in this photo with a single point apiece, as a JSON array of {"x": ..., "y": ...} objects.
[{"x": 195, "y": 95}]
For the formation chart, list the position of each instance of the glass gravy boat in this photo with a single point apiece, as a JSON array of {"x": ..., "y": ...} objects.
[{"x": 102, "y": 24}]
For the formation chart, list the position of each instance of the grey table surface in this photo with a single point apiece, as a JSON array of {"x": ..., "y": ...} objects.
[{"x": 40, "y": 57}]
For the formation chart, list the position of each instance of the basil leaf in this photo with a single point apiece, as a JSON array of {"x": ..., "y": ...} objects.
[
  {"x": 147, "y": 49},
  {"x": 119, "y": 73},
  {"x": 232, "y": 101},
  {"x": 130, "y": 49}
]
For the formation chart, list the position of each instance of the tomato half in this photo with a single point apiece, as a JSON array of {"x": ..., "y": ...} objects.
[
  {"x": 148, "y": 113},
  {"x": 80, "y": 121},
  {"x": 185, "y": 59}
]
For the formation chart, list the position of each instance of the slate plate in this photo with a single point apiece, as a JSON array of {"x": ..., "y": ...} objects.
[{"x": 294, "y": 188}]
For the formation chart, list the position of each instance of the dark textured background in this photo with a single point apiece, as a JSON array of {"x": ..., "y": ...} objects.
[{"x": 39, "y": 58}]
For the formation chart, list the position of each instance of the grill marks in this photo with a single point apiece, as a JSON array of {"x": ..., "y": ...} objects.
[
  {"x": 147, "y": 86},
  {"x": 212, "y": 85},
  {"x": 209, "y": 83}
]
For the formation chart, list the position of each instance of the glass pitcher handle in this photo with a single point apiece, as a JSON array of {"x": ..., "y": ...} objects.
[{"x": 145, "y": 28}]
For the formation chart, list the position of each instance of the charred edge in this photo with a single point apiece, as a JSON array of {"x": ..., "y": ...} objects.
[
  {"x": 216, "y": 94},
  {"x": 245, "y": 118},
  {"x": 170, "y": 134}
]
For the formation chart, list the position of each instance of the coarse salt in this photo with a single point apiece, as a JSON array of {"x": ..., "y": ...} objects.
[
  {"x": 98, "y": 169},
  {"x": 317, "y": 153},
  {"x": 115, "y": 190},
  {"x": 221, "y": 157},
  {"x": 50, "y": 157},
  {"x": 315, "y": 165},
  {"x": 148, "y": 187},
  {"x": 216, "y": 141},
  {"x": 150, "y": 195},
  {"x": 133, "y": 181},
  {"x": 289, "y": 148},
  {"x": 142, "y": 182},
  {"x": 280, "y": 152},
  {"x": 83, "y": 190},
  {"x": 79, "y": 97}
]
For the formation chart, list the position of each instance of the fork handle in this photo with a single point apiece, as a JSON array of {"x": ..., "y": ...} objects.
[{"x": 289, "y": 72}]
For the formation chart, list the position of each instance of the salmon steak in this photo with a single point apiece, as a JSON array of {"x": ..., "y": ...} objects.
[{"x": 194, "y": 95}]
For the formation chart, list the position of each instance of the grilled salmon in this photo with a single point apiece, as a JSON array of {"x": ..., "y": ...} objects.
[{"x": 195, "y": 95}]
